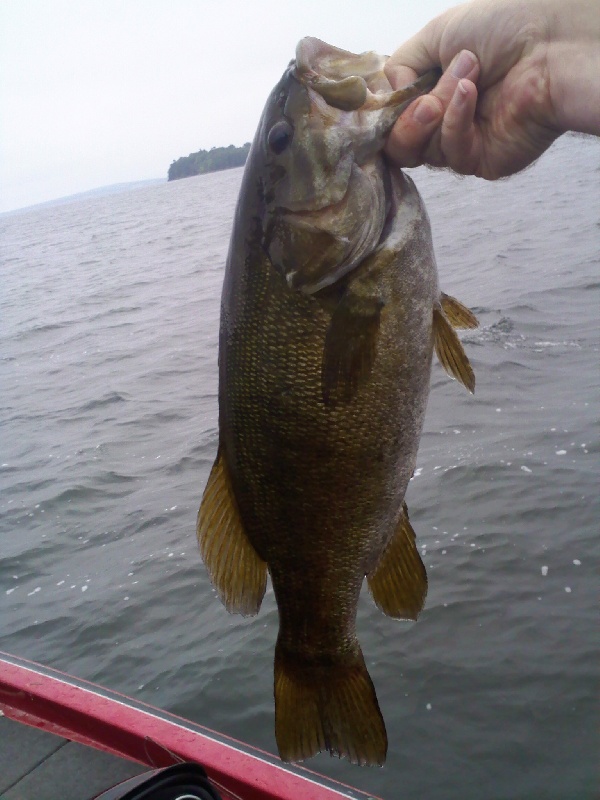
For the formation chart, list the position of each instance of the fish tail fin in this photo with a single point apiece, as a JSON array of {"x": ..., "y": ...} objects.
[{"x": 327, "y": 707}]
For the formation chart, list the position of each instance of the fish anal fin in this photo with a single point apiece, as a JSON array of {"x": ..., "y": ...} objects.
[
  {"x": 459, "y": 316},
  {"x": 399, "y": 581},
  {"x": 350, "y": 348},
  {"x": 329, "y": 707},
  {"x": 237, "y": 572},
  {"x": 450, "y": 352}
]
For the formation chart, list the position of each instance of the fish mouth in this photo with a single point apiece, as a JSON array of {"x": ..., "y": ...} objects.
[{"x": 351, "y": 82}]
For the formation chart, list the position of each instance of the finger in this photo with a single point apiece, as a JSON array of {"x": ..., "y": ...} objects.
[
  {"x": 411, "y": 58},
  {"x": 399, "y": 76},
  {"x": 459, "y": 139},
  {"x": 412, "y": 131},
  {"x": 421, "y": 52},
  {"x": 465, "y": 65}
]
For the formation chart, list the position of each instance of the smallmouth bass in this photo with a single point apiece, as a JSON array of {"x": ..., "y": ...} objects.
[{"x": 330, "y": 314}]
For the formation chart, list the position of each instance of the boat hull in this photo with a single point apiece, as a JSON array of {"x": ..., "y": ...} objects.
[{"x": 100, "y": 718}]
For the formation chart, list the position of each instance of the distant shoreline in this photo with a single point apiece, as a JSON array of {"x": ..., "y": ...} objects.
[
  {"x": 113, "y": 188},
  {"x": 213, "y": 160}
]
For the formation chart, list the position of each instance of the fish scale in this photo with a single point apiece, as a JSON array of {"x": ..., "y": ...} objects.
[{"x": 324, "y": 370}]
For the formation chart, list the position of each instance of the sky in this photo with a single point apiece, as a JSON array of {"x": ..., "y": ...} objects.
[{"x": 97, "y": 92}]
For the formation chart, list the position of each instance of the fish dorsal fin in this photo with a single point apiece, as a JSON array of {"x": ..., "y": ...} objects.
[
  {"x": 399, "y": 582},
  {"x": 459, "y": 316},
  {"x": 237, "y": 572},
  {"x": 449, "y": 350}
]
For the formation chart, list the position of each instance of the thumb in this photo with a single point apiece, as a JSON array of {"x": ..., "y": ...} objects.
[{"x": 413, "y": 130}]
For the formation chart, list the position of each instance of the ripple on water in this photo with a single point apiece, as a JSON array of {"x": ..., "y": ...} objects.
[{"x": 109, "y": 415}]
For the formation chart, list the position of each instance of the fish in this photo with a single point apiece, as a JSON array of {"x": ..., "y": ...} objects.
[{"x": 330, "y": 313}]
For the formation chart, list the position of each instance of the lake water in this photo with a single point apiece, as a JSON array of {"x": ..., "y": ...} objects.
[{"x": 108, "y": 371}]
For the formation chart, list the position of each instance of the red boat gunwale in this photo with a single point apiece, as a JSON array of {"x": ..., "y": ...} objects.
[{"x": 97, "y": 717}]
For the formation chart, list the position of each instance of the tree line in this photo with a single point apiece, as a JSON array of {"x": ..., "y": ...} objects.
[{"x": 208, "y": 161}]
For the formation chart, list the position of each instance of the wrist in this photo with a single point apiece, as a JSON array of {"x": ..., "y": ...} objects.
[
  {"x": 568, "y": 49},
  {"x": 571, "y": 20},
  {"x": 573, "y": 75}
]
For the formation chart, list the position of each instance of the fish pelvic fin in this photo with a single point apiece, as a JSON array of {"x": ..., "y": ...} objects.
[
  {"x": 350, "y": 348},
  {"x": 449, "y": 351},
  {"x": 459, "y": 316},
  {"x": 237, "y": 572},
  {"x": 399, "y": 581},
  {"x": 329, "y": 707}
]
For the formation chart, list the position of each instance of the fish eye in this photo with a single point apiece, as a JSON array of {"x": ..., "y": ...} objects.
[{"x": 280, "y": 135}]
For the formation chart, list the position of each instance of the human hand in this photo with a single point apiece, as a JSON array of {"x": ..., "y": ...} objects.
[{"x": 516, "y": 76}]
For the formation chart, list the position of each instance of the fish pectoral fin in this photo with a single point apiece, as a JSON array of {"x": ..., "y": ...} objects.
[
  {"x": 350, "y": 348},
  {"x": 459, "y": 316},
  {"x": 237, "y": 572},
  {"x": 399, "y": 582},
  {"x": 449, "y": 350},
  {"x": 327, "y": 707}
]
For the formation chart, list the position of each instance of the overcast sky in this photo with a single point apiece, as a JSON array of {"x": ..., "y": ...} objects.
[{"x": 96, "y": 92}]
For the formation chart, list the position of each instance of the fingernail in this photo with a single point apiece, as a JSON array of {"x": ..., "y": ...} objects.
[
  {"x": 460, "y": 94},
  {"x": 463, "y": 64},
  {"x": 425, "y": 112}
]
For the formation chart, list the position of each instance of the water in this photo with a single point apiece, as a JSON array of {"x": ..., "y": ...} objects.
[{"x": 108, "y": 325}]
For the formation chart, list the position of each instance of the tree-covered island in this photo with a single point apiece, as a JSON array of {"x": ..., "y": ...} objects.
[{"x": 208, "y": 161}]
